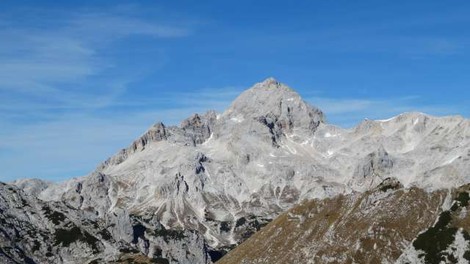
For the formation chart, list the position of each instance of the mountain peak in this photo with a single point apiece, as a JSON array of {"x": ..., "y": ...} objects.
[
  {"x": 275, "y": 99},
  {"x": 271, "y": 85},
  {"x": 270, "y": 81}
]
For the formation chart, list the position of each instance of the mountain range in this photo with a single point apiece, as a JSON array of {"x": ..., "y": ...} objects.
[{"x": 268, "y": 181}]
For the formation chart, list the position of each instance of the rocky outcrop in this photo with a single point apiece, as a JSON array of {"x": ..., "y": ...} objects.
[
  {"x": 91, "y": 195},
  {"x": 192, "y": 131},
  {"x": 372, "y": 170},
  {"x": 199, "y": 128},
  {"x": 34, "y": 231},
  {"x": 156, "y": 133},
  {"x": 32, "y": 186}
]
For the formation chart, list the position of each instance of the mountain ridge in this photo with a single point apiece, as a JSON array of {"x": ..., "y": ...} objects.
[{"x": 224, "y": 176}]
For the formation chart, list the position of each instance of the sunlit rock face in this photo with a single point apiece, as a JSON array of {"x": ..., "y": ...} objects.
[{"x": 211, "y": 182}]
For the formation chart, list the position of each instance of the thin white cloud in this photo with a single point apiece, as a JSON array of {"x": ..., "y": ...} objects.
[
  {"x": 38, "y": 61},
  {"x": 53, "y": 97},
  {"x": 340, "y": 106},
  {"x": 77, "y": 142},
  {"x": 205, "y": 99},
  {"x": 348, "y": 112},
  {"x": 120, "y": 26}
]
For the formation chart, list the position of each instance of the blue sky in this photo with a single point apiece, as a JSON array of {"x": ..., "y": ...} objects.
[{"x": 81, "y": 79}]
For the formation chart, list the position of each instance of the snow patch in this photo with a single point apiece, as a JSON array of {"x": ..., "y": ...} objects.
[
  {"x": 386, "y": 120},
  {"x": 290, "y": 149},
  {"x": 237, "y": 119},
  {"x": 209, "y": 139},
  {"x": 447, "y": 204},
  {"x": 450, "y": 160},
  {"x": 328, "y": 135},
  {"x": 329, "y": 153}
]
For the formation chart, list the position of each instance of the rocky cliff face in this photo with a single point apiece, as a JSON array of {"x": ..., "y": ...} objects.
[
  {"x": 211, "y": 182},
  {"x": 34, "y": 231}
]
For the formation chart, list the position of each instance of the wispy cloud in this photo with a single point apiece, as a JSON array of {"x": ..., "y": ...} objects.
[
  {"x": 204, "y": 99},
  {"x": 57, "y": 87},
  {"x": 76, "y": 142},
  {"x": 348, "y": 112},
  {"x": 53, "y": 62},
  {"x": 104, "y": 25}
]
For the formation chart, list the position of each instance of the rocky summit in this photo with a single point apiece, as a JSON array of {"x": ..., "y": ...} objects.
[{"x": 384, "y": 191}]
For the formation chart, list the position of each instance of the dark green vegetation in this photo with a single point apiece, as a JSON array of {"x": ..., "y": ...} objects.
[
  {"x": 105, "y": 234},
  {"x": 386, "y": 187},
  {"x": 65, "y": 237},
  {"x": 225, "y": 226},
  {"x": 461, "y": 201},
  {"x": 160, "y": 261},
  {"x": 437, "y": 239},
  {"x": 138, "y": 232},
  {"x": 54, "y": 216},
  {"x": 129, "y": 250},
  {"x": 169, "y": 234},
  {"x": 215, "y": 255},
  {"x": 240, "y": 222},
  {"x": 389, "y": 184},
  {"x": 248, "y": 226}
]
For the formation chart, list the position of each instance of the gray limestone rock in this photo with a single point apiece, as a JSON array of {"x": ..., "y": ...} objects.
[{"x": 206, "y": 185}]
